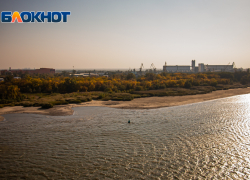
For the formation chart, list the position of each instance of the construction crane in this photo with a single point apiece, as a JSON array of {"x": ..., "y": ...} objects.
[
  {"x": 228, "y": 65},
  {"x": 141, "y": 67},
  {"x": 153, "y": 67},
  {"x": 234, "y": 65}
]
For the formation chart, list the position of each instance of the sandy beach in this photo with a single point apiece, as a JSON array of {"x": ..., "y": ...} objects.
[{"x": 140, "y": 103}]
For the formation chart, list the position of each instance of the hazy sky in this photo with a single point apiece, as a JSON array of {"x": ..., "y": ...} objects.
[{"x": 126, "y": 33}]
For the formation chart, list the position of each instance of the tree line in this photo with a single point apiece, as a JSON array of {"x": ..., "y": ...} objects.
[{"x": 12, "y": 88}]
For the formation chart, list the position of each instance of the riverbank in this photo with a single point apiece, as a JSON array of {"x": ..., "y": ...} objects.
[{"x": 139, "y": 103}]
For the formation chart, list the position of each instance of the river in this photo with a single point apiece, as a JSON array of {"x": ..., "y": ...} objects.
[{"x": 196, "y": 141}]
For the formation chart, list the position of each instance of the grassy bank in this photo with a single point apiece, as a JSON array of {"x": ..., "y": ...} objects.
[
  {"x": 187, "y": 91},
  {"x": 48, "y": 100}
]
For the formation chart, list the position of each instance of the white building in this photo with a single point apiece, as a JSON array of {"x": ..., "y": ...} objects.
[
  {"x": 201, "y": 68},
  {"x": 219, "y": 68},
  {"x": 176, "y": 68}
]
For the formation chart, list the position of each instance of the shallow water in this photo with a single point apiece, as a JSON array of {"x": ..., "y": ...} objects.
[{"x": 196, "y": 141}]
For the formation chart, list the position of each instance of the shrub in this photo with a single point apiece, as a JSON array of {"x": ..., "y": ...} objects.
[
  {"x": 187, "y": 84},
  {"x": 108, "y": 90},
  {"x": 214, "y": 83},
  {"x": 139, "y": 88},
  {"x": 36, "y": 104},
  {"x": 74, "y": 101},
  {"x": 27, "y": 104},
  {"x": 130, "y": 76},
  {"x": 61, "y": 102},
  {"x": 244, "y": 80},
  {"x": 101, "y": 96},
  {"x": 137, "y": 96},
  {"x": 47, "y": 105}
]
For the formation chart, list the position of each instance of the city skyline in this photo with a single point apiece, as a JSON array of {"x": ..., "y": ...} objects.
[{"x": 124, "y": 34}]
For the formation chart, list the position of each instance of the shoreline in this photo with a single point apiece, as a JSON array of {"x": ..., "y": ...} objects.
[{"x": 139, "y": 103}]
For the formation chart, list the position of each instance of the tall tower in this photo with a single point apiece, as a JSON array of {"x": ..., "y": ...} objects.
[
  {"x": 193, "y": 65},
  {"x": 165, "y": 67}
]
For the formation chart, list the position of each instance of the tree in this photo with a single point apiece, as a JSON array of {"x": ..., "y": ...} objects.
[
  {"x": 150, "y": 76},
  {"x": 130, "y": 76},
  {"x": 244, "y": 80},
  {"x": 9, "y": 78},
  {"x": 65, "y": 73},
  {"x": 70, "y": 85},
  {"x": 187, "y": 84},
  {"x": 11, "y": 92},
  {"x": 213, "y": 82}
]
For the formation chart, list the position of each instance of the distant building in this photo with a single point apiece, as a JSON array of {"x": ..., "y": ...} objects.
[
  {"x": 193, "y": 65},
  {"x": 201, "y": 68},
  {"x": 219, "y": 68},
  {"x": 85, "y": 75},
  {"x": 196, "y": 69},
  {"x": 176, "y": 68},
  {"x": 28, "y": 71}
]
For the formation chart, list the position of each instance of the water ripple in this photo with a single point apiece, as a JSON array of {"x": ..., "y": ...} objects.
[{"x": 209, "y": 140}]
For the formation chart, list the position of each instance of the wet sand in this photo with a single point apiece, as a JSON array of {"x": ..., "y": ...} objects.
[{"x": 140, "y": 103}]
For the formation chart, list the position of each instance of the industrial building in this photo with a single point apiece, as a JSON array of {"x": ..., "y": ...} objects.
[
  {"x": 176, "y": 68},
  {"x": 200, "y": 68},
  {"x": 29, "y": 71},
  {"x": 86, "y": 75},
  {"x": 219, "y": 68}
]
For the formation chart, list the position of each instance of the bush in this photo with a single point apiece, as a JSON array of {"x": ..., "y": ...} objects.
[
  {"x": 47, "y": 105},
  {"x": 61, "y": 102},
  {"x": 244, "y": 80},
  {"x": 196, "y": 83},
  {"x": 107, "y": 98},
  {"x": 213, "y": 82},
  {"x": 187, "y": 84},
  {"x": 74, "y": 101},
  {"x": 85, "y": 99},
  {"x": 137, "y": 96},
  {"x": 36, "y": 104},
  {"x": 101, "y": 96},
  {"x": 130, "y": 76},
  {"x": 108, "y": 90},
  {"x": 139, "y": 88},
  {"x": 125, "y": 98},
  {"x": 27, "y": 104},
  {"x": 162, "y": 86}
]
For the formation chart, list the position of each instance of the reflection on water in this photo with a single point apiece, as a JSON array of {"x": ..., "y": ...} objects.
[{"x": 197, "y": 141}]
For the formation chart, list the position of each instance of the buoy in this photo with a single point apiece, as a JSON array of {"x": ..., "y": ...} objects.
[{"x": 128, "y": 121}]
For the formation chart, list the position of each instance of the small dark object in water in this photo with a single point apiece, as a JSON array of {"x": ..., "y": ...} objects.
[{"x": 128, "y": 121}]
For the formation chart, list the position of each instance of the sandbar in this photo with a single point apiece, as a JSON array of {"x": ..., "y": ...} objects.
[{"x": 138, "y": 103}]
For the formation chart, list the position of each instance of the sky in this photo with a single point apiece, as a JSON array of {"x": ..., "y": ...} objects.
[{"x": 125, "y": 33}]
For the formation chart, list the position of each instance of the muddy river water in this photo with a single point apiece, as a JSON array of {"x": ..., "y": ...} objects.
[{"x": 196, "y": 141}]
